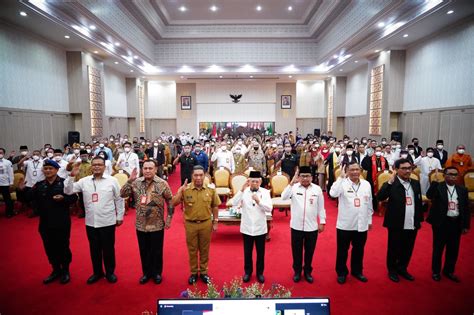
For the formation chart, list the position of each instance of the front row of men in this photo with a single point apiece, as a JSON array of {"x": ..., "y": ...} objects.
[{"x": 104, "y": 206}]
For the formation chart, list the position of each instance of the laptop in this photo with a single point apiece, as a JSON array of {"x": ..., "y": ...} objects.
[{"x": 273, "y": 306}]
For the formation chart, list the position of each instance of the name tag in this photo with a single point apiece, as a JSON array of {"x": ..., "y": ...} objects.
[
  {"x": 311, "y": 201},
  {"x": 35, "y": 173},
  {"x": 1, "y": 170},
  {"x": 451, "y": 205},
  {"x": 143, "y": 199},
  {"x": 356, "y": 202},
  {"x": 95, "y": 197},
  {"x": 409, "y": 201},
  {"x": 227, "y": 160}
]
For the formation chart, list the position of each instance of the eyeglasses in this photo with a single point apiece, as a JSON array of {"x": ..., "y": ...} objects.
[
  {"x": 451, "y": 174},
  {"x": 406, "y": 168},
  {"x": 97, "y": 165}
]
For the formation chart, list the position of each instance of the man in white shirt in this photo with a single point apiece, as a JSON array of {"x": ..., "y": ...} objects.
[
  {"x": 104, "y": 211},
  {"x": 6, "y": 181},
  {"x": 307, "y": 204},
  {"x": 426, "y": 164},
  {"x": 128, "y": 160},
  {"x": 58, "y": 158},
  {"x": 224, "y": 158},
  {"x": 354, "y": 219},
  {"x": 33, "y": 168},
  {"x": 256, "y": 205}
]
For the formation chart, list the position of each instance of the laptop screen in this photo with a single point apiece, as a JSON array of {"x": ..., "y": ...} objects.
[{"x": 303, "y": 306}]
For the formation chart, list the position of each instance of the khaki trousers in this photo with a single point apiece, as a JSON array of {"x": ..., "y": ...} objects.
[{"x": 198, "y": 238}]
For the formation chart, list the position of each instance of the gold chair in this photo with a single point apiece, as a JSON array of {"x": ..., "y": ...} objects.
[
  {"x": 222, "y": 181},
  {"x": 415, "y": 176},
  {"x": 236, "y": 183},
  {"x": 207, "y": 179},
  {"x": 122, "y": 179},
  {"x": 469, "y": 184},
  {"x": 436, "y": 176},
  {"x": 417, "y": 171},
  {"x": 278, "y": 183},
  {"x": 337, "y": 172},
  {"x": 363, "y": 174},
  {"x": 381, "y": 178},
  {"x": 18, "y": 176}
]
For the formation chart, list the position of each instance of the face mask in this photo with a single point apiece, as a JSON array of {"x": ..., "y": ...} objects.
[
  {"x": 207, "y": 145},
  {"x": 398, "y": 146},
  {"x": 287, "y": 150},
  {"x": 364, "y": 141},
  {"x": 378, "y": 153},
  {"x": 323, "y": 143},
  {"x": 143, "y": 143},
  {"x": 440, "y": 147},
  {"x": 58, "y": 158},
  {"x": 117, "y": 144},
  {"x": 82, "y": 147},
  {"x": 240, "y": 142},
  {"x": 83, "y": 159},
  {"x": 198, "y": 149},
  {"x": 331, "y": 141},
  {"x": 187, "y": 150},
  {"x": 1, "y": 156},
  {"x": 384, "y": 142},
  {"x": 356, "y": 141},
  {"x": 76, "y": 151},
  {"x": 111, "y": 139},
  {"x": 155, "y": 144},
  {"x": 36, "y": 157},
  {"x": 101, "y": 145},
  {"x": 411, "y": 151},
  {"x": 346, "y": 142},
  {"x": 349, "y": 152},
  {"x": 429, "y": 154},
  {"x": 404, "y": 156},
  {"x": 224, "y": 148},
  {"x": 274, "y": 145},
  {"x": 24, "y": 153},
  {"x": 461, "y": 151},
  {"x": 317, "y": 145},
  {"x": 337, "y": 150},
  {"x": 50, "y": 155},
  {"x": 127, "y": 149}
]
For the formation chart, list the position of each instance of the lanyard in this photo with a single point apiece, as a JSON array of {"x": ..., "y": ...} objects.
[
  {"x": 127, "y": 156},
  {"x": 355, "y": 190},
  {"x": 406, "y": 189},
  {"x": 451, "y": 193},
  {"x": 93, "y": 182},
  {"x": 35, "y": 165}
]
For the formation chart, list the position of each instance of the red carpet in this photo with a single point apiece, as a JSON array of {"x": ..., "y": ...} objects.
[{"x": 24, "y": 265}]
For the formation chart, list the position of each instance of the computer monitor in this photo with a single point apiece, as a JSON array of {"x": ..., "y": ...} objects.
[{"x": 290, "y": 306}]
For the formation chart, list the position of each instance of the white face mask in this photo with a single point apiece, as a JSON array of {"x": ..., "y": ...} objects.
[
  {"x": 101, "y": 145},
  {"x": 398, "y": 146},
  {"x": 349, "y": 152},
  {"x": 127, "y": 149},
  {"x": 337, "y": 150},
  {"x": 88, "y": 150},
  {"x": 187, "y": 150},
  {"x": 58, "y": 158},
  {"x": 50, "y": 155},
  {"x": 111, "y": 139},
  {"x": 287, "y": 150},
  {"x": 224, "y": 148},
  {"x": 411, "y": 151},
  {"x": 76, "y": 151},
  {"x": 378, "y": 153},
  {"x": 155, "y": 144},
  {"x": 82, "y": 147},
  {"x": 461, "y": 151},
  {"x": 429, "y": 154},
  {"x": 36, "y": 157},
  {"x": 404, "y": 156},
  {"x": 24, "y": 153},
  {"x": 440, "y": 147},
  {"x": 143, "y": 143}
]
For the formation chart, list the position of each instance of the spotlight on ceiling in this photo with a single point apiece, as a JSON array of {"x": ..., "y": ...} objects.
[
  {"x": 213, "y": 8},
  {"x": 23, "y": 13},
  {"x": 258, "y": 8},
  {"x": 183, "y": 8}
]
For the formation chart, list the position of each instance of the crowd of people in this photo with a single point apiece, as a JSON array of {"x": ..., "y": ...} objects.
[{"x": 56, "y": 179}]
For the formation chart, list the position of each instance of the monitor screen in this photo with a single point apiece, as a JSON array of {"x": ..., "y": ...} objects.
[{"x": 303, "y": 306}]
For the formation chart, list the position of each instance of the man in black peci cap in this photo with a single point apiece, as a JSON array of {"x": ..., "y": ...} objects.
[{"x": 55, "y": 222}]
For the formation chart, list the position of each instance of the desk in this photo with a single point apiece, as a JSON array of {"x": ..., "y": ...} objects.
[{"x": 226, "y": 218}]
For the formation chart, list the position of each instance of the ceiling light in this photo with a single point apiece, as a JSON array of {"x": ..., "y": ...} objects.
[
  {"x": 117, "y": 44},
  {"x": 356, "y": 61},
  {"x": 220, "y": 77},
  {"x": 135, "y": 57},
  {"x": 290, "y": 68},
  {"x": 341, "y": 69},
  {"x": 335, "y": 56},
  {"x": 131, "y": 70},
  {"x": 258, "y": 8},
  {"x": 290, "y": 76},
  {"x": 67, "y": 36},
  {"x": 381, "y": 24},
  {"x": 23, "y": 13},
  {"x": 214, "y": 69},
  {"x": 251, "y": 76},
  {"x": 96, "y": 52},
  {"x": 450, "y": 12},
  {"x": 290, "y": 8},
  {"x": 92, "y": 27},
  {"x": 182, "y": 8},
  {"x": 377, "y": 50},
  {"x": 185, "y": 69},
  {"x": 116, "y": 62},
  {"x": 405, "y": 35},
  {"x": 247, "y": 68},
  {"x": 213, "y": 8}
]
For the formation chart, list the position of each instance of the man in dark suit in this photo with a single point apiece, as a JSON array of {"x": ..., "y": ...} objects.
[
  {"x": 417, "y": 148},
  {"x": 157, "y": 153},
  {"x": 402, "y": 219},
  {"x": 449, "y": 218},
  {"x": 332, "y": 162},
  {"x": 440, "y": 153}
]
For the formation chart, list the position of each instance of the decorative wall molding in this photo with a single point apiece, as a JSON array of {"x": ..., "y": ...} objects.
[
  {"x": 95, "y": 101},
  {"x": 376, "y": 100}
]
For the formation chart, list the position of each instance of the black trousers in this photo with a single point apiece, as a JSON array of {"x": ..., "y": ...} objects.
[
  {"x": 7, "y": 198},
  {"x": 344, "y": 240},
  {"x": 151, "y": 252},
  {"x": 101, "y": 245},
  {"x": 56, "y": 246},
  {"x": 300, "y": 240},
  {"x": 400, "y": 248},
  {"x": 249, "y": 241},
  {"x": 448, "y": 236}
]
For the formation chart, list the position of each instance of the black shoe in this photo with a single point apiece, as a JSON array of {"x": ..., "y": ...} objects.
[
  {"x": 436, "y": 277},
  {"x": 394, "y": 277},
  {"x": 261, "y": 278},
  {"x": 406, "y": 275},
  {"x": 205, "y": 278},
  {"x": 94, "y": 278},
  {"x": 157, "y": 279},
  {"x": 111, "y": 278},
  {"x": 341, "y": 279},
  {"x": 246, "y": 278},
  {"x": 53, "y": 276},
  {"x": 452, "y": 277},
  {"x": 65, "y": 277},
  {"x": 360, "y": 277},
  {"x": 144, "y": 279},
  {"x": 297, "y": 277},
  {"x": 192, "y": 279},
  {"x": 308, "y": 277}
]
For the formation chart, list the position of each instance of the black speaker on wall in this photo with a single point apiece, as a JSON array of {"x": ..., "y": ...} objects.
[
  {"x": 397, "y": 136},
  {"x": 317, "y": 132},
  {"x": 73, "y": 137}
]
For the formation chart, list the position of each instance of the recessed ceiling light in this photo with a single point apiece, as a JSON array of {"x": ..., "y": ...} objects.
[
  {"x": 290, "y": 76},
  {"x": 450, "y": 12},
  {"x": 131, "y": 70},
  {"x": 258, "y": 8},
  {"x": 117, "y": 44},
  {"x": 213, "y": 8},
  {"x": 23, "y": 13},
  {"x": 67, "y": 36},
  {"x": 335, "y": 56},
  {"x": 220, "y": 77},
  {"x": 381, "y": 24},
  {"x": 182, "y": 8},
  {"x": 290, "y": 8},
  {"x": 135, "y": 57},
  {"x": 377, "y": 50},
  {"x": 341, "y": 69},
  {"x": 251, "y": 76},
  {"x": 116, "y": 62},
  {"x": 96, "y": 52},
  {"x": 405, "y": 35},
  {"x": 92, "y": 27},
  {"x": 356, "y": 61}
]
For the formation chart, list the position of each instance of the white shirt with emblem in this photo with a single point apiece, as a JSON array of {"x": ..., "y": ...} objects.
[
  {"x": 34, "y": 172},
  {"x": 6, "y": 172},
  {"x": 254, "y": 216}
]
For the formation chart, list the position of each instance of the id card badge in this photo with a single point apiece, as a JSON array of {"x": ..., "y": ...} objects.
[
  {"x": 356, "y": 202},
  {"x": 379, "y": 169},
  {"x": 311, "y": 201},
  {"x": 409, "y": 201},
  {"x": 35, "y": 173},
  {"x": 143, "y": 200},
  {"x": 451, "y": 205},
  {"x": 1, "y": 170},
  {"x": 95, "y": 197}
]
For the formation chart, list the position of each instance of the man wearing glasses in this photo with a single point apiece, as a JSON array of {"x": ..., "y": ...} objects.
[
  {"x": 402, "y": 219},
  {"x": 449, "y": 218},
  {"x": 104, "y": 211}
]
